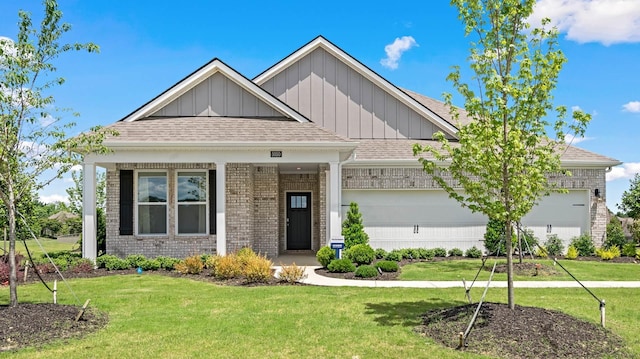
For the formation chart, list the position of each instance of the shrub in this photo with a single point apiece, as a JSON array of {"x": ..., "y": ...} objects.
[
  {"x": 423, "y": 253},
  {"x": 473, "y": 252},
  {"x": 572, "y": 252},
  {"x": 135, "y": 260},
  {"x": 406, "y": 253},
  {"x": 291, "y": 273},
  {"x": 529, "y": 242},
  {"x": 494, "y": 238},
  {"x": 387, "y": 266},
  {"x": 394, "y": 255},
  {"x": 366, "y": 271},
  {"x": 360, "y": 254},
  {"x": 190, "y": 265},
  {"x": 554, "y": 245},
  {"x": 352, "y": 228},
  {"x": 83, "y": 265},
  {"x": 615, "y": 234},
  {"x": 256, "y": 269},
  {"x": 584, "y": 245},
  {"x": 43, "y": 268},
  {"x": 4, "y": 272},
  {"x": 542, "y": 252},
  {"x": 439, "y": 252},
  {"x": 629, "y": 250},
  {"x": 325, "y": 255},
  {"x": 111, "y": 262},
  {"x": 227, "y": 267},
  {"x": 380, "y": 253},
  {"x": 167, "y": 263},
  {"x": 341, "y": 266},
  {"x": 150, "y": 264},
  {"x": 211, "y": 261},
  {"x": 455, "y": 252},
  {"x": 245, "y": 255},
  {"x": 411, "y": 253},
  {"x": 608, "y": 253}
]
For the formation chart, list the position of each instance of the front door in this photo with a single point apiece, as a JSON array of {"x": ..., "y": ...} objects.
[{"x": 298, "y": 220}]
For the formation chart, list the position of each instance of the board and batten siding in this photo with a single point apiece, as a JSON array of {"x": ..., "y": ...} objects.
[
  {"x": 218, "y": 96},
  {"x": 337, "y": 97}
]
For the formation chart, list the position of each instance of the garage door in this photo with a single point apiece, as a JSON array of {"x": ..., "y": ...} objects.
[{"x": 419, "y": 218}]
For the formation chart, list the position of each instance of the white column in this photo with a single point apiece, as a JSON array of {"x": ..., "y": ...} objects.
[
  {"x": 334, "y": 200},
  {"x": 221, "y": 224},
  {"x": 89, "y": 238}
]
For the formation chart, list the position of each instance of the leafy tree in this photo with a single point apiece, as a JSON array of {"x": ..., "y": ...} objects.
[
  {"x": 630, "y": 205},
  {"x": 502, "y": 158},
  {"x": 352, "y": 228},
  {"x": 34, "y": 147},
  {"x": 615, "y": 234}
]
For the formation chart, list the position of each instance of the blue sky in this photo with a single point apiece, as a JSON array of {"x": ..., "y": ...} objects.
[{"x": 147, "y": 46}]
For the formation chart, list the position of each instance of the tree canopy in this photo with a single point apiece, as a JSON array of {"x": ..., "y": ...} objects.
[{"x": 630, "y": 205}]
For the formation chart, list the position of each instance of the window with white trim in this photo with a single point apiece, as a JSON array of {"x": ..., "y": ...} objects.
[
  {"x": 152, "y": 203},
  {"x": 192, "y": 203}
]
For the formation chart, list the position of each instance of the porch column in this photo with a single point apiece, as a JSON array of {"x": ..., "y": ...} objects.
[
  {"x": 221, "y": 223},
  {"x": 89, "y": 238},
  {"x": 334, "y": 200}
]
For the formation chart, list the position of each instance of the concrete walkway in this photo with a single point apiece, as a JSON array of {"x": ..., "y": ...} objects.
[{"x": 319, "y": 280}]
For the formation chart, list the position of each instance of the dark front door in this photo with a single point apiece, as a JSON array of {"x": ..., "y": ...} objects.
[{"x": 298, "y": 220}]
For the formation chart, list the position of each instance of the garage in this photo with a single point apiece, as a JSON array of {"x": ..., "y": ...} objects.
[{"x": 429, "y": 218}]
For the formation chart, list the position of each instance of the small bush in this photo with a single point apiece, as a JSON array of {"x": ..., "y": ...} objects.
[
  {"x": 135, "y": 260},
  {"x": 256, "y": 269},
  {"x": 395, "y": 255},
  {"x": 629, "y": 250},
  {"x": 150, "y": 264},
  {"x": 473, "y": 252},
  {"x": 111, "y": 262},
  {"x": 43, "y": 268},
  {"x": 325, "y": 255},
  {"x": 424, "y": 253},
  {"x": 439, "y": 252},
  {"x": 494, "y": 237},
  {"x": 366, "y": 271},
  {"x": 414, "y": 253},
  {"x": 387, "y": 266},
  {"x": 167, "y": 263},
  {"x": 529, "y": 242},
  {"x": 190, "y": 265},
  {"x": 554, "y": 245},
  {"x": 584, "y": 245},
  {"x": 360, "y": 254},
  {"x": 542, "y": 252},
  {"x": 4, "y": 272},
  {"x": 455, "y": 252},
  {"x": 341, "y": 266},
  {"x": 615, "y": 234},
  {"x": 83, "y": 265},
  {"x": 608, "y": 253},
  {"x": 227, "y": 267},
  {"x": 211, "y": 261},
  {"x": 292, "y": 273},
  {"x": 572, "y": 252},
  {"x": 407, "y": 253},
  {"x": 380, "y": 253}
]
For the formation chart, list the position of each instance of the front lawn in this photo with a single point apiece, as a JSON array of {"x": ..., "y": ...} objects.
[
  {"x": 467, "y": 269},
  {"x": 49, "y": 245},
  {"x": 158, "y": 316}
]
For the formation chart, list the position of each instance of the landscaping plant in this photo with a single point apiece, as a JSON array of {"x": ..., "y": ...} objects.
[{"x": 352, "y": 227}]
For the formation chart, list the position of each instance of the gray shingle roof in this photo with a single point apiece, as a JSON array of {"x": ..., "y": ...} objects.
[
  {"x": 402, "y": 150},
  {"x": 220, "y": 130},
  {"x": 440, "y": 108}
]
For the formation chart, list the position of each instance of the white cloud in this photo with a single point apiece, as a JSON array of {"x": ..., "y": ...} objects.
[
  {"x": 394, "y": 51},
  {"x": 605, "y": 21},
  {"x": 625, "y": 171},
  {"x": 54, "y": 198},
  {"x": 576, "y": 108},
  {"x": 633, "y": 106},
  {"x": 573, "y": 140}
]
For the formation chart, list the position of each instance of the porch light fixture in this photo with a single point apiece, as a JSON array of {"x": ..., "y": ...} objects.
[{"x": 597, "y": 192}]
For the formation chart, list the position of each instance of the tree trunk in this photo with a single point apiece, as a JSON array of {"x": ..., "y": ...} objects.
[
  {"x": 13, "y": 268},
  {"x": 509, "y": 249}
]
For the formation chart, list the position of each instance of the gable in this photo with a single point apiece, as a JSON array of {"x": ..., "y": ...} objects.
[
  {"x": 337, "y": 92},
  {"x": 218, "y": 96}
]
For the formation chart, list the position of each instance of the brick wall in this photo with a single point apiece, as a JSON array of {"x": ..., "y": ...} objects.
[
  {"x": 265, "y": 210},
  {"x": 239, "y": 206}
]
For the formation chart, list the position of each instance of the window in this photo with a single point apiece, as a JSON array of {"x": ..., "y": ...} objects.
[
  {"x": 299, "y": 202},
  {"x": 152, "y": 203},
  {"x": 192, "y": 203}
]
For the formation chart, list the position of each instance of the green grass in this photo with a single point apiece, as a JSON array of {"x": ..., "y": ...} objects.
[
  {"x": 157, "y": 316},
  {"x": 467, "y": 269},
  {"x": 49, "y": 245}
]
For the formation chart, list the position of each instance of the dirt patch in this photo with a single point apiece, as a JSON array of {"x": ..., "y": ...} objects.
[{"x": 525, "y": 332}]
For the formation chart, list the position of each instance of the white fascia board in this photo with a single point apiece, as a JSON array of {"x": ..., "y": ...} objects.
[
  {"x": 361, "y": 69},
  {"x": 186, "y": 146},
  {"x": 203, "y": 74}
]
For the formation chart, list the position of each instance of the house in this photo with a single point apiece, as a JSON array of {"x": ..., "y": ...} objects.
[{"x": 219, "y": 162}]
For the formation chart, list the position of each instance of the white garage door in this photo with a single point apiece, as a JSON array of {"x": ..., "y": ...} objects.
[{"x": 428, "y": 219}]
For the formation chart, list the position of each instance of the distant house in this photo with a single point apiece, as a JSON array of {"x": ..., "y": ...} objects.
[{"x": 218, "y": 162}]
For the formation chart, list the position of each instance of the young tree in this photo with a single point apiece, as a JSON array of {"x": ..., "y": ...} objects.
[
  {"x": 352, "y": 228},
  {"x": 502, "y": 158},
  {"x": 34, "y": 147},
  {"x": 630, "y": 205}
]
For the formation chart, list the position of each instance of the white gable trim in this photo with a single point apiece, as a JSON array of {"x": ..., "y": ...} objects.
[
  {"x": 204, "y": 73},
  {"x": 362, "y": 70}
]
